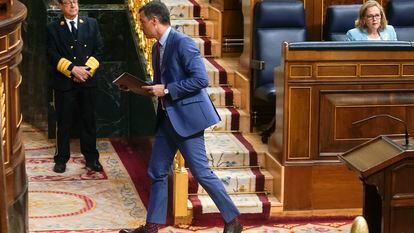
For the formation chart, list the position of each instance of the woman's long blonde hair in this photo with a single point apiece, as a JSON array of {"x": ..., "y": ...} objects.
[{"x": 360, "y": 22}]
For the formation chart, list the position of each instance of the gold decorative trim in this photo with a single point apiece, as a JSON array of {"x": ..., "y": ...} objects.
[
  {"x": 19, "y": 82},
  {"x": 14, "y": 34},
  {"x": 398, "y": 67},
  {"x": 3, "y": 118},
  {"x": 319, "y": 66},
  {"x": 92, "y": 63},
  {"x": 4, "y": 40},
  {"x": 20, "y": 121},
  {"x": 144, "y": 44},
  {"x": 63, "y": 66}
]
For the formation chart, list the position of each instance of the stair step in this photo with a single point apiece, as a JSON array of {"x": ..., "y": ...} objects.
[
  {"x": 224, "y": 96},
  {"x": 246, "y": 203},
  {"x": 219, "y": 72},
  {"x": 245, "y": 180},
  {"x": 207, "y": 47},
  {"x": 194, "y": 27},
  {"x": 232, "y": 119},
  {"x": 226, "y": 150},
  {"x": 186, "y": 9}
]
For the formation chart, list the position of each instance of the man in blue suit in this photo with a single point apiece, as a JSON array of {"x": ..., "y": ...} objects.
[{"x": 184, "y": 112}]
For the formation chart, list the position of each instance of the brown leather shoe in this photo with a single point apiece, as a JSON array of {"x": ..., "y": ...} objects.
[{"x": 140, "y": 229}]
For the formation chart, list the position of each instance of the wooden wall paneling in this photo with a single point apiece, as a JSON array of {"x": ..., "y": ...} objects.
[
  {"x": 246, "y": 56},
  {"x": 335, "y": 187},
  {"x": 319, "y": 93},
  {"x": 321, "y": 186},
  {"x": 339, "y": 109},
  {"x": 232, "y": 23},
  {"x": 402, "y": 197},
  {"x": 299, "y": 123},
  {"x": 298, "y": 188}
]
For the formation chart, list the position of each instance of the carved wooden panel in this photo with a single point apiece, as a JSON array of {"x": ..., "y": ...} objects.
[
  {"x": 14, "y": 38},
  {"x": 401, "y": 197},
  {"x": 401, "y": 219},
  {"x": 300, "y": 129},
  {"x": 333, "y": 71},
  {"x": 300, "y": 71},
  {"x": 401, "y": 176},
  {"x": 3, "y": 44},
  {"x": 407, "y": 70},
  {"x": 339, "y": 109},
  {"x": 380, "y": 70}
]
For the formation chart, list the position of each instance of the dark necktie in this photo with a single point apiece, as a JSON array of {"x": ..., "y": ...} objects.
[
  {"x": 73, "y": 29},
  {"x": 157, "y": 71},
  {"x": 157, "y": 76}
]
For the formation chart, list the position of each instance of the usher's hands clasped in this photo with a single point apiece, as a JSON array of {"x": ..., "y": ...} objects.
[{"x": 80, "y": 73}]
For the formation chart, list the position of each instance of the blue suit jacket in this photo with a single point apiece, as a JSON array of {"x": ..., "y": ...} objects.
[
  {"x": 188, "y": 106},
  {"x": 360, "y": 34}
]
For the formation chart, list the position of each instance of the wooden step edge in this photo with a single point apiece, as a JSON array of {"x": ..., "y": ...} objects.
[
  {"x": 276, "y": 206},
  {"x": 351, "y": 212}
]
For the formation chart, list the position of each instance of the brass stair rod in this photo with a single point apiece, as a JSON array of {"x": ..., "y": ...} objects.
[{"x": 233, "y": 193}]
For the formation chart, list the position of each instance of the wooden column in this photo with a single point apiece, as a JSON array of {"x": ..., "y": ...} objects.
[
  {"x": 13, "y": 180},
  {"x": 4, "y": 225}
]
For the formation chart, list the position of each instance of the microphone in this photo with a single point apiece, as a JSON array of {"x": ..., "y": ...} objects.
[{"x": 388, "y": 116}]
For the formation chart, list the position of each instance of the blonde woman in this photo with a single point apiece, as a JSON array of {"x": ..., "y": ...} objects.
[{"x": 371, "y": 24}]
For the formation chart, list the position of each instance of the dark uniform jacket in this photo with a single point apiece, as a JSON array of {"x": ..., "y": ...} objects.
[{"x": 65, "y": 51}]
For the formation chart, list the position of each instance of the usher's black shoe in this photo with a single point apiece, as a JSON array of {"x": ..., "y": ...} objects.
[
  {"x": 94, "y": 166},
  {"x": 233, "y": 227},
  {"x": 59, "y": 167},
  {"x": 140, "y": 229}
]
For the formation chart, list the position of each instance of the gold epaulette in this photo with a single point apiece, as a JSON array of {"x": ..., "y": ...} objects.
[
  {"x": 63, "y": 66},
  {"x": 93, "y": 64}
]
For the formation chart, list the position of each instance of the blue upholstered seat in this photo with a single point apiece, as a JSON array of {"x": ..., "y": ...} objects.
[
  {"x": 339, "y": 19},
  {"x": 400, "y": 14},
  {"x": 273, "y": 23}
]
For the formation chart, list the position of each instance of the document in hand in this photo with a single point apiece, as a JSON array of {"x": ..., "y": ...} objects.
[{"x": 129, "y": 82}]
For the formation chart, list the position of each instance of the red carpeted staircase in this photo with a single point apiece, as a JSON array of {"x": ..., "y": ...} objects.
[
  {"x": 231, "y": 149},
  {"x": 236, "y": 155}
]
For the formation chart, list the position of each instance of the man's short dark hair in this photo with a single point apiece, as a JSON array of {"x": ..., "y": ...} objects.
[{"x": 157, "y": 9}]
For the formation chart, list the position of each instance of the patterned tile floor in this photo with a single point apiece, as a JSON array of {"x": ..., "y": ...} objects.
[{"x": 90, "y": 202}]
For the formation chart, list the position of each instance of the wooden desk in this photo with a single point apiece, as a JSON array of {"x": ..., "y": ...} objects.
[{"x": 321, "y": 89}]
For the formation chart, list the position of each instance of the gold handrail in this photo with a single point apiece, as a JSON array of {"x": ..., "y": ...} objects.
[{"x": 145, "y": 44}]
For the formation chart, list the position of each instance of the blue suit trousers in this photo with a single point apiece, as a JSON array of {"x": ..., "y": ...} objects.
[{"x": 166, "y": 143}]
